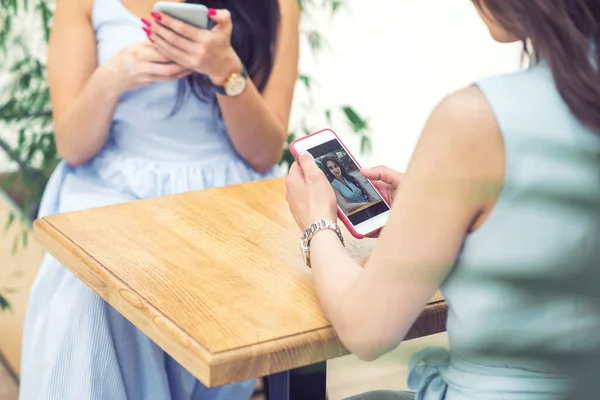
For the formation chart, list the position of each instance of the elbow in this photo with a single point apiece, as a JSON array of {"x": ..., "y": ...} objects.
[
  {"x": 73, "y": 158},
  {"x": 368, "y": 344},
  {"x": 261, "y": 167},
  {"x": 71, "y": 152},
  {"x": 265, "y": 162},
  {"x": 368, "y": 350}
]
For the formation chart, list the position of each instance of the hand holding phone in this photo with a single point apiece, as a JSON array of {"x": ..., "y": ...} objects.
[
  {"x": 180, "y": 32},
  {"x": 386, "y": 181},
  {"x": 360, "y": 205}
]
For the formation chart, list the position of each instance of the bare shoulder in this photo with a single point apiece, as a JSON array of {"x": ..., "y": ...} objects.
[
  {"x": 469, "y": 110},
  {"x": 461, "y": 145},
  {"x": 81, "y": 8},
  {"x": 463, "y": 127}
]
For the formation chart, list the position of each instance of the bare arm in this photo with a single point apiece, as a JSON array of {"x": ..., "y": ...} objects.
[
  {"x": 435, "y": 207},
  {"x": 82, "y": 102},
  {"x": 258, "y": 123},
  {"x": 84, "y": 96}
]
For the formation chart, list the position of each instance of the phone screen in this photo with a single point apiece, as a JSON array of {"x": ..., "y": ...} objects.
[{"x": 356, "y": 196}]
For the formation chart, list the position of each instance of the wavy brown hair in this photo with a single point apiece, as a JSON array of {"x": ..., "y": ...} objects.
[{"x": 565, "y": 34}]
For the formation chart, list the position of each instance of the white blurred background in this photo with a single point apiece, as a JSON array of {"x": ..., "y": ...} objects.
[{"x": 394, "y": 60}]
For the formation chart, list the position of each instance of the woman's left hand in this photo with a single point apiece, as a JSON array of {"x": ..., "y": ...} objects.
[
  {"x": 207, "y": 52},
  {"x": 309, "y": 193}
]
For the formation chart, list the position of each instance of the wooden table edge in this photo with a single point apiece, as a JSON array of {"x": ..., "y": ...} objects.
[
  {"x": 271, "y": 357},
  {"x": 260, "y": 359}
]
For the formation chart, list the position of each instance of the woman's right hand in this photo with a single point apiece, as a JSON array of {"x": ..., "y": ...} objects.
[
  {"x": 139, "y": 65},
  {"x": 386, "y": 180}
]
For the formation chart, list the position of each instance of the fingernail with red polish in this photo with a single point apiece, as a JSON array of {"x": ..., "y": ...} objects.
[
  {"x": 156, "y": 16},
  {"x": 212, "y": 12},
  {"x": 146, "y": 30},
  {"x": 146, "y": 22}
]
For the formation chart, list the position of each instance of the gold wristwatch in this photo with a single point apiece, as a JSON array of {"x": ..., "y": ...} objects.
[
  {"x": 310, "y": 233},
  {"x": 235, "y": 84}
]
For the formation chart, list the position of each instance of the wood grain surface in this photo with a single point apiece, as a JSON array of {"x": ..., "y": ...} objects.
[{"x": 214, "y": 277}]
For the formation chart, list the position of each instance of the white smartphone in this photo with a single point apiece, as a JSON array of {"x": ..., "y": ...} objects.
[
  {"x": 360, "y": 206},
  {"x": 193, "y": 14}
]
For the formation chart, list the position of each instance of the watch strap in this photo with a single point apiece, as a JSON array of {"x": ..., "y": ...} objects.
[
  {"x": 312, "y": 230},
  {"x": 223, "y": 88}
]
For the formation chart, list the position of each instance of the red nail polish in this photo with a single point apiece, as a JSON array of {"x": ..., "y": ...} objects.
[
  {"x": 156, "y": 16},
  {"x": 146, "y": 22},
  {"x": 146, "y": 30},
  {"x": 212, "y": 12}
]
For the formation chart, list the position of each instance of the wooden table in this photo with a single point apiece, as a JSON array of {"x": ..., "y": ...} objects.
[{"x": 214, "y": 277}]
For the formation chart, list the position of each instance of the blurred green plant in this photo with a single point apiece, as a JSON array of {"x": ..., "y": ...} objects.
[
  {"x": 25, "y": 108},
  {"x": 357, "y": 124}
]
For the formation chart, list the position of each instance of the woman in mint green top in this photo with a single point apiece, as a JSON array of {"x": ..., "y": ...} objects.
[{"x": 499, "y": 208}]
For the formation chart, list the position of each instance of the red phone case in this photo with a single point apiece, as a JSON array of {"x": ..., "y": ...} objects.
[{"x": 340, "y": 213}]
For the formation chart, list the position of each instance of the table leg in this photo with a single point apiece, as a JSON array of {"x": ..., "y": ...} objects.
[{"x": 306, "y": 383}]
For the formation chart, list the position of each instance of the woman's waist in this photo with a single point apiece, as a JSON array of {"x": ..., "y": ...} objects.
[
  {"x": 437, "y": 371},
  {"x": 171, "y": 150}
]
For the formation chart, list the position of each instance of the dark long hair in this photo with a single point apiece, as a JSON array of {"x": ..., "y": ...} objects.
[
  {"x": 565, "y": 34},
  {"x": 345, "y": 173},
  {"x": 254, "y": 36}
]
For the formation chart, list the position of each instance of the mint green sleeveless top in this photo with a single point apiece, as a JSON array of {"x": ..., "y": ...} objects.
[{"x": 524, "y": 295}]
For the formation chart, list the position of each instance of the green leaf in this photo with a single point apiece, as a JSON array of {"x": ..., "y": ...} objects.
[
  {"x": 357, "y": 123},
  {"x": 336, "y": 5},
  {"x": 21, "y": 140},
  {"x": 306, "y": 80},
  {"x": 4, "y": 304},
  {"x": 315, "y": 40},
  {"x": 328, "y": 116},
  {"x": 20, "y": 64},
  {"x": 46, "y": 15},
  {"x": 32, "y": 149},
  {"x": 5, "y": 33},
  {"x": 9, "y": 222},
  {"x": 365, "y": 145},
  {"x": 291, "y": 137}
]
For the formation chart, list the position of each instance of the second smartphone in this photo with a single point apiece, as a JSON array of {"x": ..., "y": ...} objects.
[{"x": 360, "y": 206}]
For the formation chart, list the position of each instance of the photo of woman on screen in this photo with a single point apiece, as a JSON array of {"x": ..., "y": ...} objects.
[{"x": 351, "y": 194}]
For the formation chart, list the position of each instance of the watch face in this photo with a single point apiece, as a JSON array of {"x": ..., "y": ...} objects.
[{"x": 236, "y": 86}]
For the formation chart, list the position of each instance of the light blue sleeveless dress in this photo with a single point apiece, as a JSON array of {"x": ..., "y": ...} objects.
[
  {"x": 524, "y": 295},
  {"x": 351, "y": 192},
  {"x": 75, "y": 346}
]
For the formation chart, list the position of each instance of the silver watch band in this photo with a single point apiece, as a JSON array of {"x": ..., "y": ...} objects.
[
  {"x": 312, "y": 231},
  {"x": 318, "y": 226}
]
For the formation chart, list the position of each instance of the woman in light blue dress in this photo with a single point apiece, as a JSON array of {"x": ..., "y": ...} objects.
[
  {"x": 142, "y": 108},
  {"x": 350, "y": 193},
  {"x": 500, "y": 208}
]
